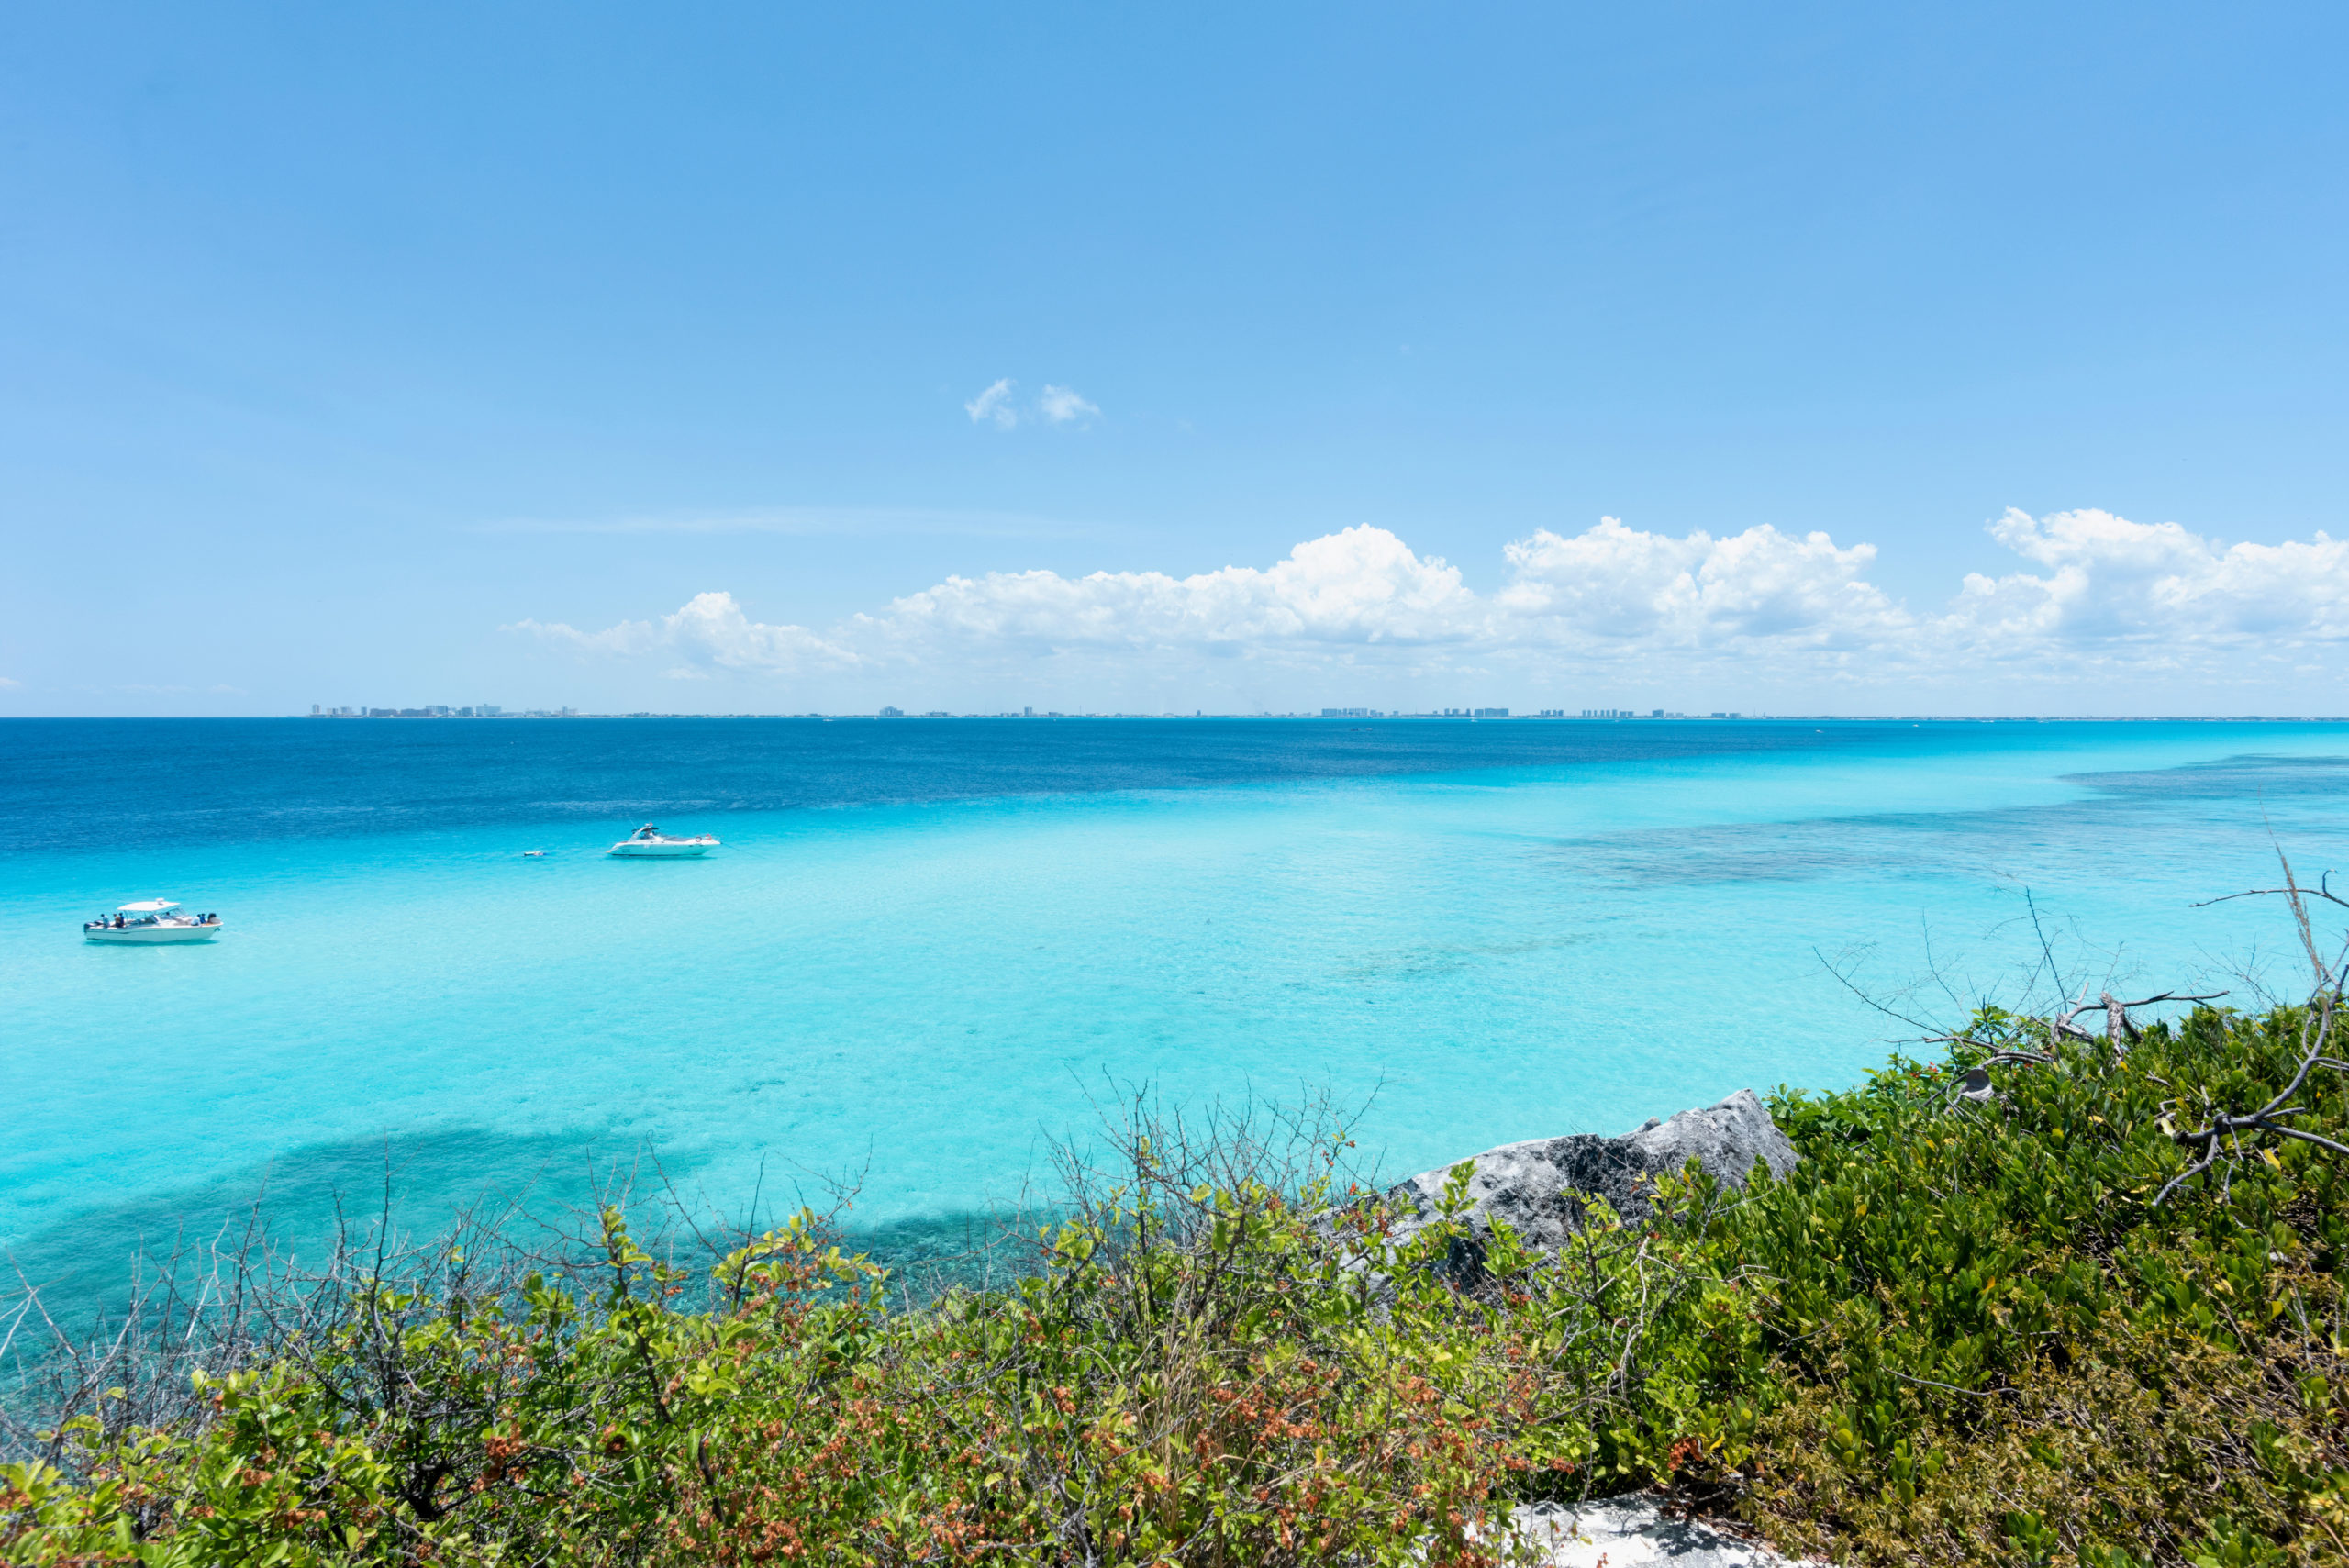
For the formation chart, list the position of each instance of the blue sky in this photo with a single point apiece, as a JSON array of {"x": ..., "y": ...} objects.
[{"x": 628, "y": 357}]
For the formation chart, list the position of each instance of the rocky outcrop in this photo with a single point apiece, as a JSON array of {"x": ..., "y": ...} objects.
[
  {"x": 1542, "y": 1187},
  {"x": 1634, "y": 1532}
]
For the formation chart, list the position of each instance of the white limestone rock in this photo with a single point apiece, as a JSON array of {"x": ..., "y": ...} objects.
[
  {"x": 1631, "y": 1532},
  {"x": 1541, "y": 1187}
]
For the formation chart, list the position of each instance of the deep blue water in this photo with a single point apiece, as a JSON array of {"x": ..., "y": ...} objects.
[
  {"x": 227, "y": 781},
  {"x": 927, "y": 946}
]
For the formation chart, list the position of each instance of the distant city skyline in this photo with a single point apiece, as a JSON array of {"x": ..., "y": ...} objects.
[
  {"x": 1812, "y": 358},
  {"x": 1458, "y": 715}
]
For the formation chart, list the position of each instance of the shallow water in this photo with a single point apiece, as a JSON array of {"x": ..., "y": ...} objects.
[{"x": 928, "y": 947}]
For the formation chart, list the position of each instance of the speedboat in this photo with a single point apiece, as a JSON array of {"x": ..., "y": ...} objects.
[
  {"x": 649, "y": 842},
  {"x": 151, "y": 920}
]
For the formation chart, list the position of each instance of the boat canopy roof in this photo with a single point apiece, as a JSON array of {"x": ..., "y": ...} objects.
[{"x": 149, "y": 907}]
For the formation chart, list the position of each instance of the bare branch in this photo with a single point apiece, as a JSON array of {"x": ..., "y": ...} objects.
[{"x": 1845, "y": 981}]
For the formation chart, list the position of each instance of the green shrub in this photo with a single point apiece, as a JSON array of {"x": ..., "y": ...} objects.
[
  {"x": 1234, "y": 1374},
  {"x": 1964, "y": 1329},
  {"x": 1989, "y": 1342}
]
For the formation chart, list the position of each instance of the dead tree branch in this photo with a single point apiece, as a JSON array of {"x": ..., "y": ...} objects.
[{"x": 2222, "y": 1135}]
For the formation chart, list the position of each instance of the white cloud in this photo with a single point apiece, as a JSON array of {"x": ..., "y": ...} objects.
[
  {"x": 1611, "y": 585},
  {"x": 7, "y": 685},
  {"x": 710, "y": 631},
  {"x": 1364, "y": 585},
  {"x": 2152, "y": 592},
  {"x": 1062, "y": 404},
  {"x": 1055, "y": 405},
  {"x": 1760, "y": 609},
  {"x": 993, "y": 403}
]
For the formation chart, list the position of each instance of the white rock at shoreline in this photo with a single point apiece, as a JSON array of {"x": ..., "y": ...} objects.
[
  {"x": 1627, "y": 1532},
  {"x": 1539, "y": 1187}
]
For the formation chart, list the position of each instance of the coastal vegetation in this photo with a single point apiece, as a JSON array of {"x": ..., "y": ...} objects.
[{"x": 2045, "y": 1295}]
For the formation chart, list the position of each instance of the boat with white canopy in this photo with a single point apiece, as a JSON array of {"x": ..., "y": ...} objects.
[
  {"x": 151, "y": 920},
  {"x": 649, "y": 842}
]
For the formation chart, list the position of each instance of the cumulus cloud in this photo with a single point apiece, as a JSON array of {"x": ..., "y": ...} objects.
[
  {"x": 1364, "y": 585},
  {"x": 1615, "y": 585},
  {"x": 709, "y": 632},
  {"x": 2156, "y": 591},
  {"x": 993, "y": 403},
  {"x": 7, "y": 685},
  {"x": 1062, "y": 404},
  {"x": 2099, "y": 594}
]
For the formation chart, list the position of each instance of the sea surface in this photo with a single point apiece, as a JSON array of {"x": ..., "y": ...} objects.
[{"x": 930, "y": 949}]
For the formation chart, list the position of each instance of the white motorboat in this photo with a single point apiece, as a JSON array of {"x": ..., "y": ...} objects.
[
  {"x": 151, "y": 920},
  {"x": 649, "y": 842}
]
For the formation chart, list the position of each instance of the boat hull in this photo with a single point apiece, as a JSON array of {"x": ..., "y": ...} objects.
[
  {"x": 148, "y": 936},
  {"x": 634, "y": 852}
]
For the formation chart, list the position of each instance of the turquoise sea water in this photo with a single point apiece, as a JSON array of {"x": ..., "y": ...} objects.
[{"x": 926, "y": 946}]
